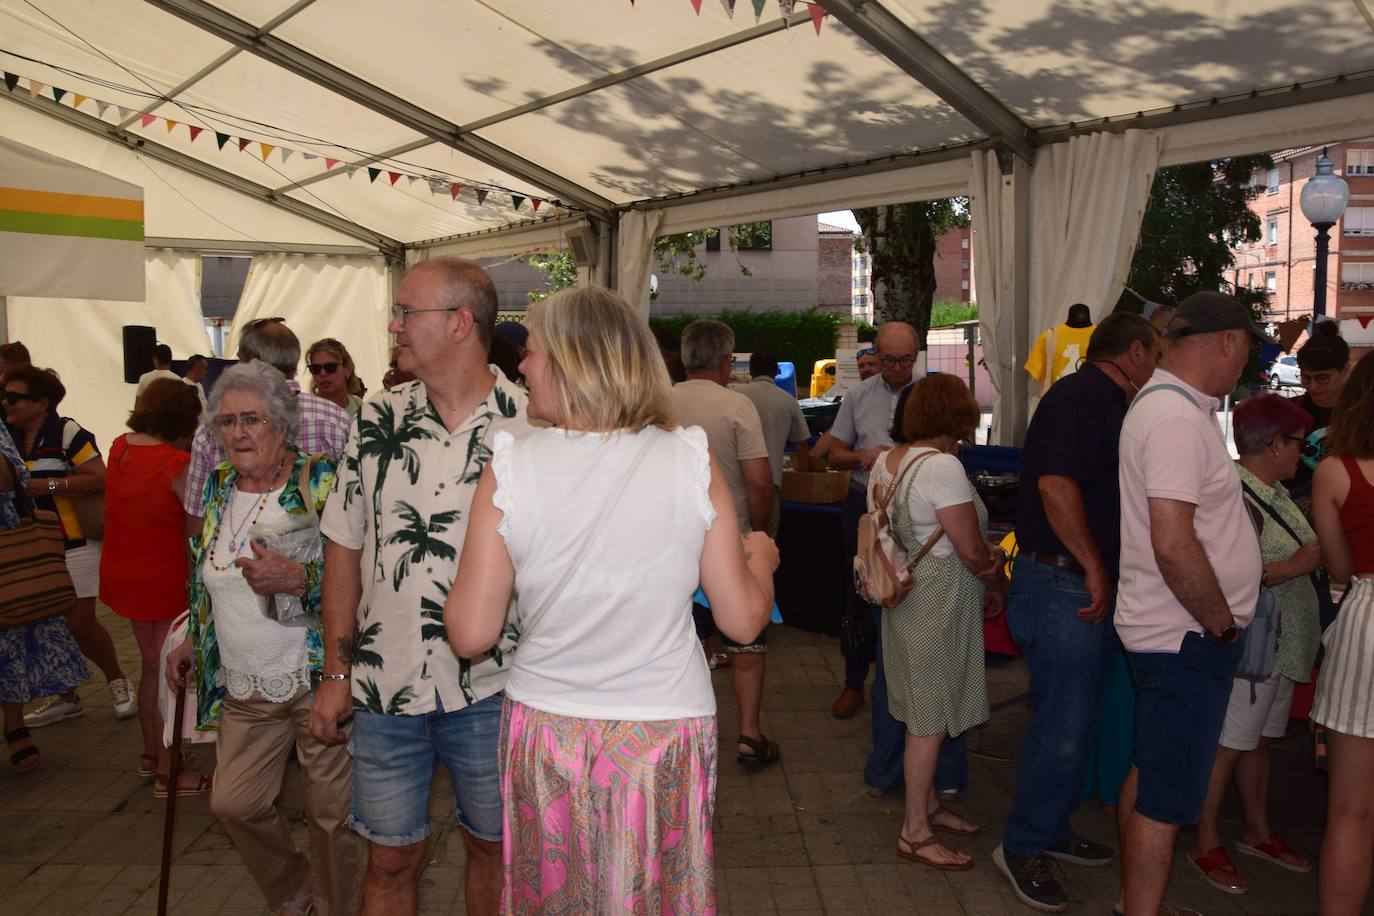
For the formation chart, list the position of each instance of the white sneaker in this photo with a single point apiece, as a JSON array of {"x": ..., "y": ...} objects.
[
  {"x": 125, "y": 706},
  {"x": 53, "y": 709}
]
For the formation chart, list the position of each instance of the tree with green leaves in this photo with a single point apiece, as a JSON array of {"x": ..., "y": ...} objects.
[{"x": 900, "y": 240}]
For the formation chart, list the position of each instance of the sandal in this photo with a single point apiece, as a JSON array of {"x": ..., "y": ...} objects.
[
  {"x": 913, "y": 854},
  {"x": 1212, "y": 863},
  {"x": 972, "y": 830},
  {"x": 1273, "y": 852},
  {"x": 764, "y": 754},
  {"x": 26, "y": 759},
  {"x": 202, "y": 786},
  {"x": 147, "y": 764}
]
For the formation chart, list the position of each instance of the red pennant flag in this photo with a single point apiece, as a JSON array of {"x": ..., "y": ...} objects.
[
  {"x": 329, "y": 163},
  {"x": 535, "y": 202},
  {"x": 1364, "y": 320},
  {"x": 242, "y": 143},
  {"x": 195, "y": 132},
  {"x": 147, "y": 119},
  {"x": 817, "y": 14},
  {"x": 481, "y": 196},
  {"x": 453, "y": 190},
  {"x": 394, "y": 176},
  {"x": 696, "y": 5}
]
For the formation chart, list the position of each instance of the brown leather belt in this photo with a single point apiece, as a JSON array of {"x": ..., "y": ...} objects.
[{"x": 1055, "y": 561}]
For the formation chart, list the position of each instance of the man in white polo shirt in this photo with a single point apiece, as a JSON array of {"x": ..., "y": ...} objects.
[{"x": 1190, "y": 576}]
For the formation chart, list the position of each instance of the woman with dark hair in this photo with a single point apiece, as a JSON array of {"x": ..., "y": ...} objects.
[
  {"x": 933, "y": 641},
  {"x": 65, "y": 464},
  {"x": 1270, "y": 433},
  {"x": 1343, "y": 514},
  {"x": 143, "y": 566}
]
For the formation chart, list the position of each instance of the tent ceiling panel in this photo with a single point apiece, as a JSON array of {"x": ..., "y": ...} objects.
[
  {"x": 176, "y": 204},
  {"x": 160, "y": 51},
  {"x": 1056, "y": 61}
]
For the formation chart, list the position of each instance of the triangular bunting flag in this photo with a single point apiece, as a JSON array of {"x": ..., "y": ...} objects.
[
  {"x": 101, "y": 108},
  {"x": 123, "y": 112},
  {"x": 146, "y": 119},
  {"x": 11, "y": 81},
  {"x": 309, "y": 156},
  {"x": 330, "y": 163},
  {"x": 394, "y": 176},
  {"x": 696, "y": 5},
  {"x": 481, "y": 196},
  {"x": 266, "y": 149},
  {"x": 57, "y": 94},
  {"x": 351, "y": 169},
  {"x": 221, "y": 139},
  {"x": 535, "y": 202},
  {"x": 195, "y": 131},
  {"x": 729, "y": 7},
  {"x": 286, "y": 152},
  {"x": 372, "y": 174},
  {"x": 411, "y": 179},
  {"x": 36, "y": 88},
  {"x": 758, "y": 9},
  {"x": 817, "y": 14},
  {"x": 453, "y": 190},
  {"x": 785, "y": 6},
  {"x": 243, "y": 144},
  {"x": 516, "y": 200},
  {"x": 438, "y": 186},
  {"x": 77, "y": 99},
  {"x": 170, "y": 124}
]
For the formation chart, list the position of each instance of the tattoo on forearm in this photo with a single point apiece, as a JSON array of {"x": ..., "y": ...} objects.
[{"x": 346, "y": 645}]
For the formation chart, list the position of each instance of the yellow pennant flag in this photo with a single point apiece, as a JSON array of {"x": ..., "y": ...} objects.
[
  {"x": 266, "y": 150},
  {"x": 170, "y": 124},
  {"x": 77, "y": 100}
]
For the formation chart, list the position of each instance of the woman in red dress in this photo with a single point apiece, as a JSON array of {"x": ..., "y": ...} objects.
[{"x": 143, "y": 570}]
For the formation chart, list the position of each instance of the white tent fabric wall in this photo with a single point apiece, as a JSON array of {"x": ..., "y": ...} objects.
[
  {"x": 81, "y": 339},
  {"x": 985, "y": 215},
  {"x": 347, "y": 298},
  {"x": 638, "y": 229}
]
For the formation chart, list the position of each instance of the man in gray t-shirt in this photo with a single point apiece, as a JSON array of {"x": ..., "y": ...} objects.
[{"x": 782, "y": 421}]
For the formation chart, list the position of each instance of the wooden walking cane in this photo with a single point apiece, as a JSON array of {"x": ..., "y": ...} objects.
[{"x": 173, "y": 774}]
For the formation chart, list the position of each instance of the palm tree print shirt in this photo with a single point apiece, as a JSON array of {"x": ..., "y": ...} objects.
[{"x": 404, "y": 489}]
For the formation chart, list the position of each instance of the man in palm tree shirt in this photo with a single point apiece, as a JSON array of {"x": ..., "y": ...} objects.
[{"x": 395, "y": 526}]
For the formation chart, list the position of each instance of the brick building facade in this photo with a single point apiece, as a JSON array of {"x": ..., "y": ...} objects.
[
  {"x": 835, "y": 271},
  {"x": 953, "y": 273},
  {"x": 1284, "y": 259}
]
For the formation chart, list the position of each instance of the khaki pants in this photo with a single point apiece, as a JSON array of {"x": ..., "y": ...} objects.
[{"x": 255, "y": 737}]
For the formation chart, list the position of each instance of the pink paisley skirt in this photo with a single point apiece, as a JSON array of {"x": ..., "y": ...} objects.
[{"x": 604, "y": 816}]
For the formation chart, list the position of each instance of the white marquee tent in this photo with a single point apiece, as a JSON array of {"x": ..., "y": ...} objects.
[{"x": 345, "y": 138}]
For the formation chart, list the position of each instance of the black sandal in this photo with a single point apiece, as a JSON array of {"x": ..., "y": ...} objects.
[
  {"x": 764, "y": 754},
  {"x": 18, "y": 758}
]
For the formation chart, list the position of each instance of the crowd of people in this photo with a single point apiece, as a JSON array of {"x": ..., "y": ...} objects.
[{"x": 437, "y": 575}]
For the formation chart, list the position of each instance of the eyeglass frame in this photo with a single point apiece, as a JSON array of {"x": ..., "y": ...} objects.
[
  {"x": 323, "y": 368},
  {"x": 251, "y": 422},
  {"x": 891, "y": 362},
  {"x": 401, "y": 313}
]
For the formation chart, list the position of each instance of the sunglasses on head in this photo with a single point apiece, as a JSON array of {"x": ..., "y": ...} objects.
[
  {"x": 325, "y": 368},
  {"x": 866, "y": 351},
  {"x": 259, "y": 322}
]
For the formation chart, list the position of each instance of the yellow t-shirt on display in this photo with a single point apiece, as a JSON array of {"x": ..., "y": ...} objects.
[{"x": 1070, "y": 348}]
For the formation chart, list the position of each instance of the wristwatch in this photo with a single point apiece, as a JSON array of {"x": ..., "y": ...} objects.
[
  {"x": 1228, "y": 635},
  {"x": 52, "y": 484}
]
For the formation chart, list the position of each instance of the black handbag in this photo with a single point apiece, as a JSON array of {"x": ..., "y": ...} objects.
[{"x": 856, "y": 634}]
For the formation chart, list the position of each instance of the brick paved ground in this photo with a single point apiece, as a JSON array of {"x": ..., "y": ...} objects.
[{"x": 82, "y": 835}]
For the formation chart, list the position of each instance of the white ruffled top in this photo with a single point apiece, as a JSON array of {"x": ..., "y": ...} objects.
[{"x": 605, "y": 531}]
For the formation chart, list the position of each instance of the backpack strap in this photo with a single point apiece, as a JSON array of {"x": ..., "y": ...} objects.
[
  {"x": 1163, "y": 386},
  {"x": 939, "y": 529}
]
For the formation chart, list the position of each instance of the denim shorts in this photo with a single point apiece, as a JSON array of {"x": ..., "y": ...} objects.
[
  {"x": 394, "y": 762},
  {"x": 1181, "y": 701}
]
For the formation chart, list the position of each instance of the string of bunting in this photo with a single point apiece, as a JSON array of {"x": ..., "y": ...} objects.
[
  {"x": 437, "y": 184},
  {"x": 786, "y": 7}
]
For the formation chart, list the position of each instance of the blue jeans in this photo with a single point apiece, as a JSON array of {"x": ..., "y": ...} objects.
[
  {"x": 1068, "y": 659},
  {"x": 855, "y": 667},
  {"x": 884, "y": 767},
  {"x": 394, "y": 761}
]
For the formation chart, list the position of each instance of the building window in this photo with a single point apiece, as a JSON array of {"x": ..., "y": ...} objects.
[
  {"x": 1272, "y": 182},
  {"x": 713, "y": 241},
  {"x": 963, "y": 243},
  {"x": 1357, "y": 273},
  {"x": 1358, "y": 221},
  {"x": 963, "y": 284},
  {"x": 964, "y": 263},
  {"x": 1359, "y": 162},
  {"x": 1271, "y": 232},
  {"x": 1250, "y": 280},
  {"x": 1271, "y": 281},
  {"x": 754, "y": 236}
]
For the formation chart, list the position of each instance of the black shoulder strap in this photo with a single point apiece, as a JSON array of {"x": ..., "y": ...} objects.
[{"x": 1254, "y": 497}]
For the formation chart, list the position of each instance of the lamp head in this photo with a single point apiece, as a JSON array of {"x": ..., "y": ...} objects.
[{"x": 1325, "y": 195}]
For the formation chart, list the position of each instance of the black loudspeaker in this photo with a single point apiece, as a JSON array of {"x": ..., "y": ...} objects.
[{"x": 139, "y": 341}]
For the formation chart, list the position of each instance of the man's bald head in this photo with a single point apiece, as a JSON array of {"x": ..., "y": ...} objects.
[{"x": 898, "y": 345}]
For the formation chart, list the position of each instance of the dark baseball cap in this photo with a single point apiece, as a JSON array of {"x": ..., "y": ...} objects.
[
  {"x": 1205, "y": 312},
  {"x": 513, "y": 333}
]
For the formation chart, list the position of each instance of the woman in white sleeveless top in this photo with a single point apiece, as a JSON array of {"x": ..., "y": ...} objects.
[{"x": 602, "y": 526}]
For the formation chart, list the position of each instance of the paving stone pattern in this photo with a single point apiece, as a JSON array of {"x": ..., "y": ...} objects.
[{"x": 83, "y": 835}]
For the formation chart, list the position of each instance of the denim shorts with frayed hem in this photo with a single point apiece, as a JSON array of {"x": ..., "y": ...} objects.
[
  {"x": 394, "y": 762},
  {"x": 1181, "y": 700}
]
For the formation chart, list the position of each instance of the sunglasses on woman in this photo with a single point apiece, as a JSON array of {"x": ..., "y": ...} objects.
[
  {"x": 325, "y": 368},
  {"x": 14, "y": 397}
]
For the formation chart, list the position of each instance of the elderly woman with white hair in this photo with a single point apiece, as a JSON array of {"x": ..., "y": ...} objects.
[{"x": 257, "y": 652}]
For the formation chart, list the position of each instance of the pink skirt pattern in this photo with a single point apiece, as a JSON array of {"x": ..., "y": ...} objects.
[{"x": 604, "y": 816}]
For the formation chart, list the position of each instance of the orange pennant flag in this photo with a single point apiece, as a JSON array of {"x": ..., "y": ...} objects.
[
  {"x": 266, "y": 150},
  {"x": 77, "y": 99},
  {"x": 170, "y": 124}
]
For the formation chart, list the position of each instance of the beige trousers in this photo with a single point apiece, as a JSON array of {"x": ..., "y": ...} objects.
[{"x": 255, "y": 738}]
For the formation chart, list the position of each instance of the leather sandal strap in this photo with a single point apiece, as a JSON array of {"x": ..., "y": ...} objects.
[{"x": 19, "y": 734}]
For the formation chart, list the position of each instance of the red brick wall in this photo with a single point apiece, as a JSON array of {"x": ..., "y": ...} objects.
[
  {"x": 953, "y": 265},
  {"x": 836, "y": 272}
]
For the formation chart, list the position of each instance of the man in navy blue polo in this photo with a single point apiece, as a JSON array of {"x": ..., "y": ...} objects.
[{"x": 1062, "y": 594}]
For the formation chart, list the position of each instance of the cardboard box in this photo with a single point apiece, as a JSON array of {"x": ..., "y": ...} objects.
[{"x": 815, "y": 486}]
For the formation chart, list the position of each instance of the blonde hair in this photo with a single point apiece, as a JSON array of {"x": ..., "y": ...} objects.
[{"x": 605, "y": 366}]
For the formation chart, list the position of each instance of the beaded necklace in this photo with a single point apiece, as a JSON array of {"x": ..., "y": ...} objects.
[{"x": 244, "y": 528}]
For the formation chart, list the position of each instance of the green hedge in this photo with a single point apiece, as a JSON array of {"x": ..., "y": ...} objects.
[{"x": 798, "y": 337}]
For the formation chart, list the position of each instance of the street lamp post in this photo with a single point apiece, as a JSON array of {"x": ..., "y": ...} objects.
[{"x": 1323, "y": 201}]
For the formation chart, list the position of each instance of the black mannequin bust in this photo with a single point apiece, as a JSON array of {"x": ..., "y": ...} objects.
[{"x": 1079, "y": 316}]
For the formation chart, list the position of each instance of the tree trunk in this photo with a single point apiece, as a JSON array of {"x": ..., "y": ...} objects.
[{"x": 901, "y": 244}]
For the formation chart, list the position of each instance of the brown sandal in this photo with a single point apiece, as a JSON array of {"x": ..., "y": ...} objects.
[
  {"x": 202, "y": 786},
  {"x": 765, "y": 752},
  {"x": 948, "y": 828},
  {"x": 26, "y": 759},
  {"x": 913, "y": 854}
]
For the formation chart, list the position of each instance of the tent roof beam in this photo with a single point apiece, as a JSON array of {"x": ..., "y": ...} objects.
[
  {"x": 295, "y": 60},
  {"x": 240, "y": 248},
  {"x": 885, "y": 33},
  {"x": 387, "y": 245}
]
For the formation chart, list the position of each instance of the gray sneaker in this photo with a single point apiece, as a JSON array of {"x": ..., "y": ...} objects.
[
  {"x": 1032, "y": 881},
  {"x": 125, "y": 706},
  {"x": 53, "y": 710}
]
